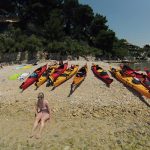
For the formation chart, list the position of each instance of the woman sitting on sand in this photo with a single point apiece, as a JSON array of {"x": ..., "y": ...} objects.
[{"x": 42, "y": 114}]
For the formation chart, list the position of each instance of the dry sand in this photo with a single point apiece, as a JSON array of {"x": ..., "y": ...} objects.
[{"x": 93, "y": 117}]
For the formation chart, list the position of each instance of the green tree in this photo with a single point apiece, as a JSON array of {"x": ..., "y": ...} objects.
[
  {"x": 104, "y": 40},
  {"x": 33, "y": 43},
  {"x": 146, "y": 50},
  {"x": 98, "y": 24},
  {"x": 69, "y": 7},
  {"x": 83, "y": 17},
  {"x": 120, "y": 48},
  {"x": 53, "y": 27},
  {"x": 2, "y": 46}
]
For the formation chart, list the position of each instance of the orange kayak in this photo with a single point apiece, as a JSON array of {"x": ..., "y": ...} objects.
[{"x": 80, "y": 76}]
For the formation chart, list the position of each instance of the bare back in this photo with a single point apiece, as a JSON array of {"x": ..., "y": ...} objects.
[{"x": 43, "y": 106}]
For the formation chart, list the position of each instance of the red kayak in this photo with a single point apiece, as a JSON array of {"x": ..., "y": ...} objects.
[
  {"x": 148, "y": 73},
  {"x": 102, "y": 74},
  {"x": 33, "y": 77},
  {"x": 127, "y": 71},
  {"x": 56, "y": 74},
  {"x": 143, "y": 79}
]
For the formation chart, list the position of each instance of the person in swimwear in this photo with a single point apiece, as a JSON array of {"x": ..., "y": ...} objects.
[{"x": 42, "y": 114}]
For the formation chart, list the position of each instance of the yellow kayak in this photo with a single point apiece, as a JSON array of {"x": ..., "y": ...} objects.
[
  {"x": 70, "y": 72},
  {"x": 80, "y": 76},
  {"x": 130, "y": 82},
  {"x": 45, "y": 75}
]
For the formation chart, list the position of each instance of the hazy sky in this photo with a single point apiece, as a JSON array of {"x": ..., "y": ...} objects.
[{"x": 129, "y": 19}]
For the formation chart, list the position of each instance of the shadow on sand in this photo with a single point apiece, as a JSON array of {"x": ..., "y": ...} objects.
[
  {"x": 73, "y": 88},
  {"x": 53, "y": 88},
  {"x": 138, "y": 95}
]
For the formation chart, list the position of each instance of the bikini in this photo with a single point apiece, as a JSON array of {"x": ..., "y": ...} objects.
[{"x": 43, "y": 110}]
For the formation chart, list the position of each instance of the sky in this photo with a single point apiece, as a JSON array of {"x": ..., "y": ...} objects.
[{"x": 129, "y": 19}]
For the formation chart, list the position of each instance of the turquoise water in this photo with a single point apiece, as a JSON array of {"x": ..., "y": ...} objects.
[{"x": 140, "y": 65}]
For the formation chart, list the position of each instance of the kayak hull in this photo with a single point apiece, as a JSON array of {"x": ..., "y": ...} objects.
[
  {"x": 104, "y": 78},
  {"x": 56, "y": 74},
  {"x": 78, "y": 79},
  {"x": 66, "y": 75},
  {"x": 45, "y": 75},
  {"x": 30, "y": 80},
  {"x": 129, "y": 82}
]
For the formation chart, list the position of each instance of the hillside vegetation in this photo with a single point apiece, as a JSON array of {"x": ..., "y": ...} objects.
[{"x": 63, "y": 26}]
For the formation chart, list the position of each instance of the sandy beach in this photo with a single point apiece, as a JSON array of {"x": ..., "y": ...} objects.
[{"x": 94, "y": 117}]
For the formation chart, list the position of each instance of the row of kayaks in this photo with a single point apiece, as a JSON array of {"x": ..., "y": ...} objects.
[
  {"x": 137, "y": 81},
  {"x": 55, "y": 75}
]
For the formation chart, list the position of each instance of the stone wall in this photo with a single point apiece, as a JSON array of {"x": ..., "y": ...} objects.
[
  {"x": 29, "y": 57},
  {"x": 20, "y": 57}
]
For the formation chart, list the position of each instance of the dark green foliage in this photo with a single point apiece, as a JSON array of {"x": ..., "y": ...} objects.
[
  {"x": 59, "y": 26},
  {"x": 53, "y": 27},
  {"x": 71, "y": 47},
  {"x": 83, "y": 16},
  {"x": 33, "y": 43},
  {"x": 146, "y": 50},
  {"x": 120, "y": 48},
  {"x": 98, "y": 24},
  {"x": 2, "y": 45},
  {"x": 104, "y": 40},
  {"x": 69, "y": 7}
]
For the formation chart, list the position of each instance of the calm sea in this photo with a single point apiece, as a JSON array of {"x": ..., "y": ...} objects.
[{"x": 140, "y": 65}]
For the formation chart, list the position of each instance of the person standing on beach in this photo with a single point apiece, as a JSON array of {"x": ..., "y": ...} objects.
[{"x": 42, "y": 114}]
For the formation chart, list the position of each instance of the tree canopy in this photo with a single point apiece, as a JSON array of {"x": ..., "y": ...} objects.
[{"x": 61, "y": 25}]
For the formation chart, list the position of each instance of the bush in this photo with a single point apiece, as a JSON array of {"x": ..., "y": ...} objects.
[
  {"x": 2, "y": 47},
  {"x": 121, "y": 53},
  {"x": 33, "y": 43},
  {"x": 71, "y": 47}
]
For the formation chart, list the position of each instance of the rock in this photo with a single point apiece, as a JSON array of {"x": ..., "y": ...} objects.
[
  {"x": 95, "y": 115},
  {"x": 118, "y": 142},
  {"x": 66, "y": 147}
]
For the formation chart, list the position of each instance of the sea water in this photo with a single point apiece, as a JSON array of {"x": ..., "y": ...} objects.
[{"x": 140, "y": 65}]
